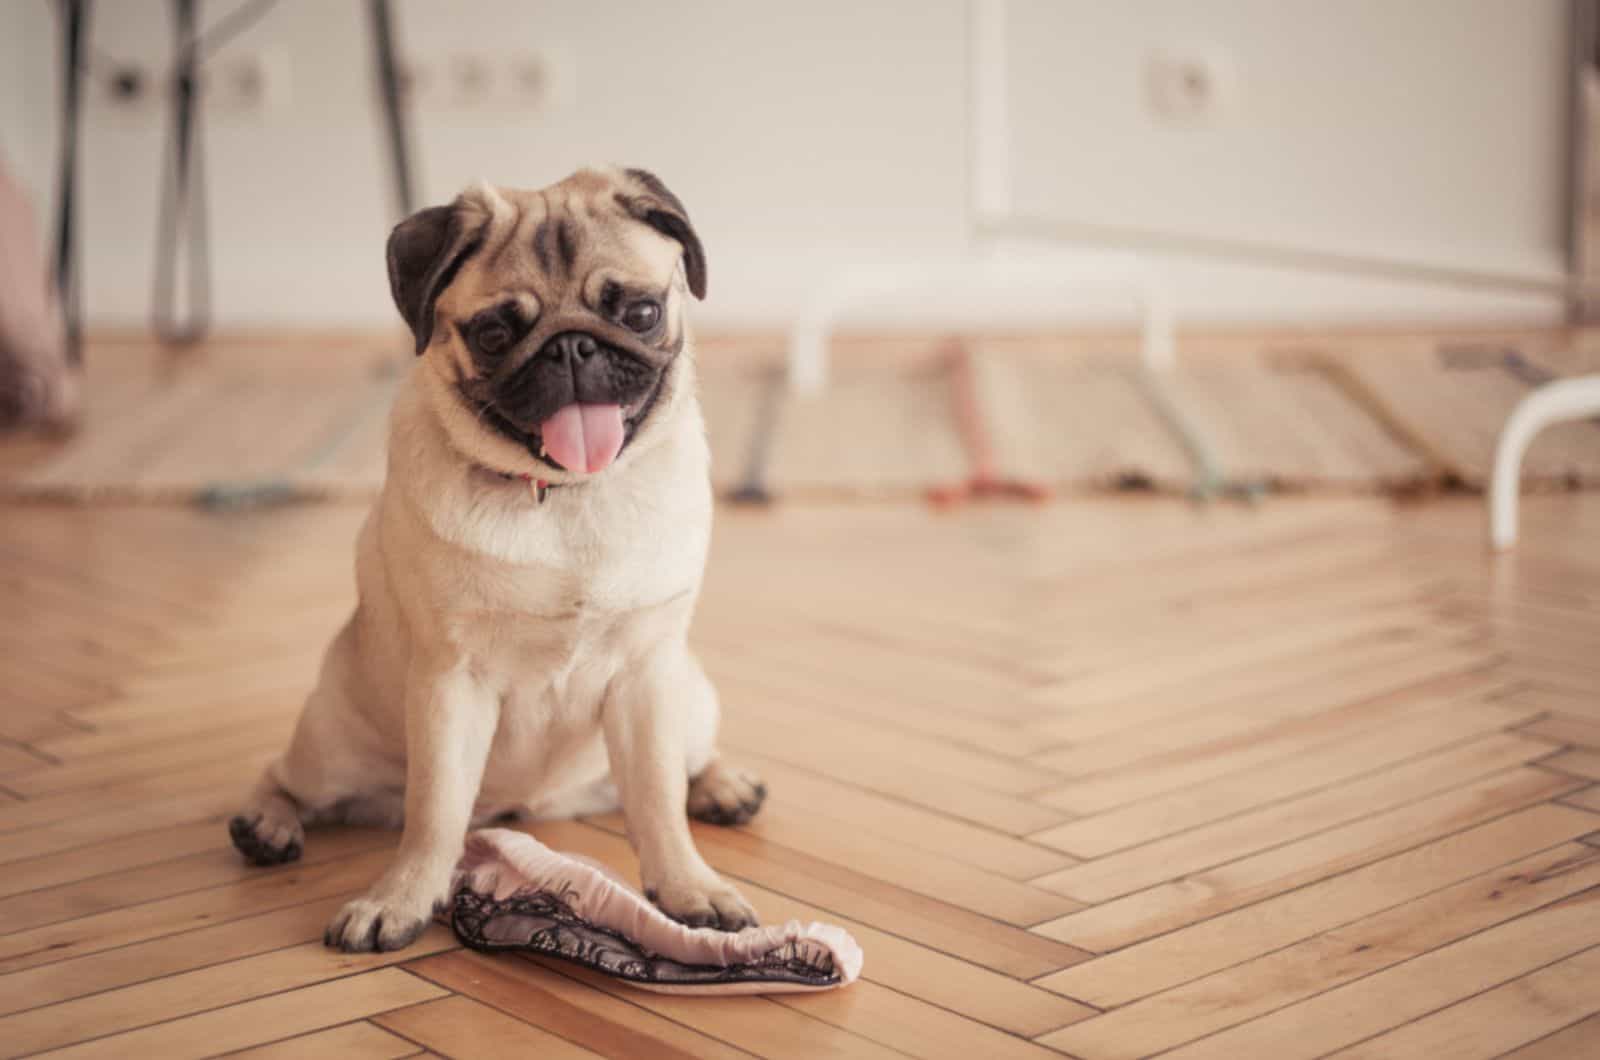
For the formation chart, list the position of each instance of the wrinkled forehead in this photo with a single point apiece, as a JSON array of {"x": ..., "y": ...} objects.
[{"x": 567, "y": 239}]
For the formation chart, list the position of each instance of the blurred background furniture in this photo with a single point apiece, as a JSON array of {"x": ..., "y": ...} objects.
[
  {"x": 1556, "y": 402},
  {"x": 181, "y": 234}
]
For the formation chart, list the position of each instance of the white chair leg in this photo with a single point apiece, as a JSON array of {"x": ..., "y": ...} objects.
[{"x": 1557, "y": 402}]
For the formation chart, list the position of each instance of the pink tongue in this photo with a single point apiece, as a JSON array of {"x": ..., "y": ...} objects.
[{"x": 583, "y": 438}]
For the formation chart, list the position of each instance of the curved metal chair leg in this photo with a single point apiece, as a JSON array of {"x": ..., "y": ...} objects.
[{"x": 1565, "y": 399}]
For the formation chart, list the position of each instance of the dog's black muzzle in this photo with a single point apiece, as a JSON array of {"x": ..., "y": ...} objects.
[{"x": 572, "y": 366}]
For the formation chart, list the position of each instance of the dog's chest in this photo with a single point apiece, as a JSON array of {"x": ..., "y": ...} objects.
[
  {"x": 556, "y": 594},
  {"x": 584, "y": 565},
  {"x": 552, "y": 669}
]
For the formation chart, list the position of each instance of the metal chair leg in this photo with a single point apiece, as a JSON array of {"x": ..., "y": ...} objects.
[
  {"x": 388, "y": 68},
  {"x": 182, "y": 243},
  {"x": 74, "y": 40}
]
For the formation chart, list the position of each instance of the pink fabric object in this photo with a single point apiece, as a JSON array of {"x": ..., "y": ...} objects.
[
  {"x": 37, "y": 388},
  {"x": 514, "y": 893}
]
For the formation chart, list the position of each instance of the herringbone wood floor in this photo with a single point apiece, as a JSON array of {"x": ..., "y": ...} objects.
[{"x": 1112, "y": 778}]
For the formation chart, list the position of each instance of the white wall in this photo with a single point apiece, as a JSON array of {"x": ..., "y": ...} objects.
[
  {"x": 802, "y": 135},
  {"x": 12, "y": 109},
  {"x": 1414, "y": 130}
]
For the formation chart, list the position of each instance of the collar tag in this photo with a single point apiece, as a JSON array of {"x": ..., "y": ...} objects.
[{"x": 538, "y": 488}]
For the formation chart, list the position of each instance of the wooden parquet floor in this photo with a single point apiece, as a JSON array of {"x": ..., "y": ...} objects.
[{"x": 1106, "y": 778}]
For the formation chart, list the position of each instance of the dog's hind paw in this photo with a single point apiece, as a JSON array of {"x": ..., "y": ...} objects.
[
  {"x": 725, "y": 795},
  {"x": 265, "y": 842}
]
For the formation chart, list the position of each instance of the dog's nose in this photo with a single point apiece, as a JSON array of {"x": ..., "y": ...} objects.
[{"x": 571, "y": 346}]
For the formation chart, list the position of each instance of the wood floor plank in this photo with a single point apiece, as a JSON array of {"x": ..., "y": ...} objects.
[
  {"x": 1264, "y": 1000},
  {"x": 184, "y": 994},
  {"x": 609, "y": 1024},
  {"x": 761, "y": 1026},
  {"x": 912, "y": 1026},
  {"x": 1277, "y": 870},
  {"x": 925, "y": 829},
  {"x": 352, "y": 1041},
  {"x": 30, "y": 718},
  {"x": 1239, "y": 733},
  {"x": 775, "y": 658},
  {"x": 1490, "y": 1023},
  {"x": 564, "y": 1005},
  {"x": 459, "y": 1026},
  {"x": 1391, "y": 748},
  {"x": 889, "y": 772},
  {"x": 1208, "y": 660},
  {"x": 49, "y": 984},
  {"x": 1319, "y": 715},
  {"x": 1577, "y": 762},
  {"x": 18, "y": 757},
  {"x": 1323, "y": 675},
  {"x": 1210, "y": 945},
  {"x": 144, "y": 848},
  {"x": 176, "y": 723},
  {"x": 938, "y": 757},
  {"x": 253, "y": 740},
  {"x": 1588, "y": 798},
  {"x": 1138, "y": 728},
  {"x": 123, "y": 808},
  {"x": 1537, "y": 693},
  {"x": 275, "y": 888},
  {"x": 1566, "y": 729},
  {"x": 214, "y": 866},
  {"x": 1577, "y": 1039},
  {"x": 263, "y": 1020},
  {"x": 1277, "y": 823}
]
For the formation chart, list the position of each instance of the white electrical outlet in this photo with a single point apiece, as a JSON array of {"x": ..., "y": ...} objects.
[
  {"x": 531, "y": 79},
  {"x": 509, "y": 81},
  {"x": 244, "y": 83},
  {"x": 1187, "y": 86},
  {"x": 471, "y": 81}
]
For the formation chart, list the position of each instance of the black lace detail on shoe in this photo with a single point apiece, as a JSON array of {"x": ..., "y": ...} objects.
[{"x": 543, "y": 923}]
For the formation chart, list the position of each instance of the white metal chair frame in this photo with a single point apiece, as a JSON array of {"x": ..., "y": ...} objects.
[{"x": 1557, "y": 402}]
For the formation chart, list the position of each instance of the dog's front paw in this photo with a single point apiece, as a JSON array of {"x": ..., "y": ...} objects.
[
  {"x": 725, "y": 795},
  {"x": 706, "y": 903},
  {"x": 267, "y": 838},
  {"x": 376, "y": 925}
]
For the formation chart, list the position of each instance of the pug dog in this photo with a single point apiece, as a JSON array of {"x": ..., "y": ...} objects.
[{"x": 527, "y": 576}]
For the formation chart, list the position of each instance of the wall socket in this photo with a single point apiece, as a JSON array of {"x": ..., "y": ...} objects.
[
  {"x": 253, "y": 83},
  {"x": 126, "y": 85},
  {"x": 480, "y": 81},
  {"x": 245, "y": 83},
  {"x": 242, "y": 84},
  {"x": 1186, "y": 86}
]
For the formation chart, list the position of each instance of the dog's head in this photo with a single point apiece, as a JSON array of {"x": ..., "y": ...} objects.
[{"x": 555, "y": 317}]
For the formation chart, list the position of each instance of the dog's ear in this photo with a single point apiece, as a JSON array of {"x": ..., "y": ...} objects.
[
  {"x": 426, "y": 250},
  {"x": 649, "y": 200}
]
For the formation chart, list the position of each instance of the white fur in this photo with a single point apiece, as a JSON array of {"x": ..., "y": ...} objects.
[{"x": 512, "y": 656}]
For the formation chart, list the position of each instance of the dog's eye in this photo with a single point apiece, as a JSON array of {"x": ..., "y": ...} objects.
[
  {"x": 492, "y": 337},
  {"x": 641, "y": 316}
]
